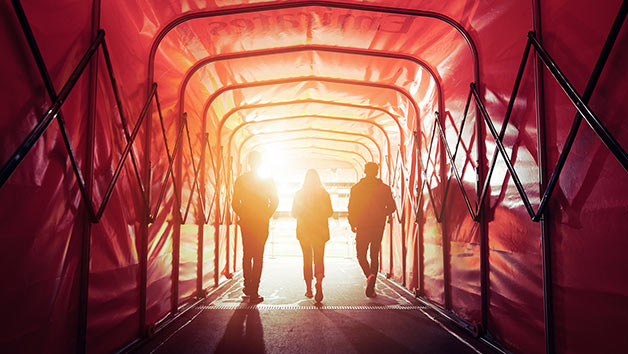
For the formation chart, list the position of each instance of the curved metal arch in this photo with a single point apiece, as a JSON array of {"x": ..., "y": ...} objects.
[
  {"x": 267, "y": 7},
  {"x": 328, "y": 149},
  {"x": 345, "y": 50},
  {"x": 343, "y": 141},
  {"x": 355, "y": 165},
  {"x": 223, "y": 89},
  {"x": 287, "y": 131},
  {"x": 381, "y": 128},
  {"x": 278, "y": 6},
  {"x": 285, "y": 103}
]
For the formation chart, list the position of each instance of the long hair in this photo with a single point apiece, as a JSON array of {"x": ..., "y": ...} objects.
[{"x": 312, "y": 181}]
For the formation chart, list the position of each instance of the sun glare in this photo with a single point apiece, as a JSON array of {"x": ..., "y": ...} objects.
[{"x": 272, "y": 163}]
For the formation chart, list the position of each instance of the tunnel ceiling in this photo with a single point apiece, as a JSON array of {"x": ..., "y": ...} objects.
[{"x": 372, "y": 71}]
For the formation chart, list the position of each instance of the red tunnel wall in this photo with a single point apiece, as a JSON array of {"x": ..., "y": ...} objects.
[
  {"x": 41, "y": 219},
  {"x": 42, "y": 224},
  {"x": 587, "y": 217}
]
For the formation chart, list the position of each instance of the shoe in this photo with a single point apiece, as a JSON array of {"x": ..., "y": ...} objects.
[
  {"x": 255, "y": 299},
  {"x": 370, "y": 286},
  {"x": 308, "y": 293},
  {"x": 319, "y": 292},
  {"x": 246, "y": 292}
]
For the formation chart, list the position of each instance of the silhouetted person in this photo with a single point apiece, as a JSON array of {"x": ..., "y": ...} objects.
[
  {"x": 370, "y": 203},
  {"x": 254, "y": 201},
  {"x": 312, "y": 207}
]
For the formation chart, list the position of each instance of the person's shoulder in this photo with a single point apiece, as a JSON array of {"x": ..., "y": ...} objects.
[
  {"x": 247, "y": 179},
  {"x": 360, "y": 183},
  {"x": 381, "y": 186},
  {"x": 322, "y": 193},
  {"x": 268, "y": 183}
]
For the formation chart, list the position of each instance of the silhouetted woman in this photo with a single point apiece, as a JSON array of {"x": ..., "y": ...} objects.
[{"x": 311, "y": 207}]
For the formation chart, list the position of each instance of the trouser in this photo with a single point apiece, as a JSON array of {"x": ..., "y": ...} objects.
[
  {"x": 252, "y": 259},
  {"x": 364, "y": 238},
  {"x": 315, "y": 250}
]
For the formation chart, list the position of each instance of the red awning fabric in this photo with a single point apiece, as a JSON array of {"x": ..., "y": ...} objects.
[{"x": 334, "y": 85}]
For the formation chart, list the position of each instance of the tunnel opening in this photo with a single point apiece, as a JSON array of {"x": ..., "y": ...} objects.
[{"x": 494, "y": 223}]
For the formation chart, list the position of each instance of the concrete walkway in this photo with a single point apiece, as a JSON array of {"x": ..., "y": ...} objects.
[{"x": 288, "y": 322}]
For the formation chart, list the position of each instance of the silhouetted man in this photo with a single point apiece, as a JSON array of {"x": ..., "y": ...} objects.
[
  {"x": 370, "y": 202},
  {"x": 254, "y": 201}
]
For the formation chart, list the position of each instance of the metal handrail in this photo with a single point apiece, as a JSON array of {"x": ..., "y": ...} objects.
[{"x": 579, "y": 102}]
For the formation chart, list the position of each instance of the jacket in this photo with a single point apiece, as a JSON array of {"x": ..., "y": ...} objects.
[
  {"x": 370, "y": 202},
  {"x": 312, "y": 208},
  {"x": 254, "y": 201}
]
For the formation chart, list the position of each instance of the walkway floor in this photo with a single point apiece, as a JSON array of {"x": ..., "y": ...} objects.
[{"x": 287, "y": 322}]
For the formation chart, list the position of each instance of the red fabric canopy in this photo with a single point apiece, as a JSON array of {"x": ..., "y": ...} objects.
[{"x": 337, "y": 84}]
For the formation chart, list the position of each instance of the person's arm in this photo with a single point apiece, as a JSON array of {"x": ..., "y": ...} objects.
[
  {"x": 329, "y": 210},
  {"x": 391, "y": 205},
  {"x": 273, "y": 198},
  {"x": 351, "y": 210},
  {"x": 296, "y": 206}
]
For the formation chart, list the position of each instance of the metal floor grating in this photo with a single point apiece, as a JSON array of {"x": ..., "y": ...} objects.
[{"x": 312, "y": 307}]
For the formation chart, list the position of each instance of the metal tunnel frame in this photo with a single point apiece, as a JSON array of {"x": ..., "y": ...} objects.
[
  {"x": 615, "y": 148},
  {"x": 291, "y": 131},
  {"x": 381, "y": 128},
  {"x": 94, "y": 214},
  {"x": 580, "y": 102},
  {"x": 444, "y": 18}
]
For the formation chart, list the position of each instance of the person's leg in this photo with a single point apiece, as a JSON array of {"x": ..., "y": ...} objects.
[
  {"x": 306, "y": 250},
  {"x": 361, "y": 246},
  {"x": 319, "y": 268},
  {"x": 258, "y": 263},
  {"x": 246, "y": 262},
  {"x": 319, "y": 259},
  {"x": 376, "y": 245}
]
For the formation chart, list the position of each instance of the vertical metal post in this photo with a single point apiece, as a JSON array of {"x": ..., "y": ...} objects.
[
  {"x": 235, "y": 246},
  {"x": 228, "y": 172},
  {"x": 236, "y": 226},
  {"x": 444, "y": 228},
  {"x": 481, "y": 219},
  {"x": 391, "y": 263},
  {"x": 143, "y": 257},
  {"x": 81, "y": 340},
  {"x": 201, "y": 218},
  {"x": 176, "y": 234},
  {"x": 542, "y": 158},
  {"x": 217, "y": 219},
  {"x": 418, "y": 249},
  {"x": 390, "y": 223},
  {"x": 144, "y": 235},
  {"x": 403, "y": 231},
  {"x": 143, "y": 232}
]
